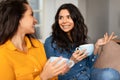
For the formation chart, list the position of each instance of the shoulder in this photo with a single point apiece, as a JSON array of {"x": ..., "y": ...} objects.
[
  {"x": 3, "y": 49},
  {"x": 2, "y": 52},
  {"x": 36, "y": 42},
  {"x": 48, "y": 40}
]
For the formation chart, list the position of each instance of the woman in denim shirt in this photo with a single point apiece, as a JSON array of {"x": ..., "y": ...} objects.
[
  {"x": 69, "y": 31},
  {"x": 80, "y": 71}
]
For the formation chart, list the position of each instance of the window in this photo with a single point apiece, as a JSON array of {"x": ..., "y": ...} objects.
[{"x": 37, "y": 6}]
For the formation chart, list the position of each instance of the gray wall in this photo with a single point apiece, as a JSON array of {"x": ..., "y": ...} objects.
[
  {"x": 114, "y": 17},
  {"x": 97, "y": 18},
  {"x": 82, "y": 7},
  {"x": 102, "y": 16},
  {"x": 49, "y": 12}
]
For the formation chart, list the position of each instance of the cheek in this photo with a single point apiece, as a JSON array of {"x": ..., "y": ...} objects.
[
  {"x": 24, "y": 22},
  {"x": 28, "y": 23},
  {"x": 59, "y": 22},
  {"x": 72, "y": 23}
]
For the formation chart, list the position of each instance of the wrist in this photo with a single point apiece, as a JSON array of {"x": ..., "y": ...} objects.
[
  {"x": 73, "y": 59},
  {"x": 43, "y": 77},
  {"x": 97, "y": 46}
]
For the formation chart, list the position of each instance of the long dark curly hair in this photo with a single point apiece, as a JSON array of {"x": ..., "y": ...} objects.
[
  {"x": 78, "y": 33},
  {"x": 11, "y": 11}
]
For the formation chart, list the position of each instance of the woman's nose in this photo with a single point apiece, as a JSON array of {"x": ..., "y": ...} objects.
[
  {"x": 64, "y": 20},
  {"x": 35, "y": 21}
]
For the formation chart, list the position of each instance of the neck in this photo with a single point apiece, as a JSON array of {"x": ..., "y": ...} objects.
[
  {"x": 19, "y": 42},
  {"x": 69, "y": 36}
]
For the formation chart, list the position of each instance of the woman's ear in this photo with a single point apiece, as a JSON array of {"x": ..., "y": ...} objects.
[{"x": 21, "y": 22}]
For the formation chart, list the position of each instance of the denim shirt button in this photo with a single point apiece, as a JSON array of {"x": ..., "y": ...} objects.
[
  {"x": 83, "y": 72},
  {"x": 80, "y": 65},
  {"x": 93, "y": 60}
]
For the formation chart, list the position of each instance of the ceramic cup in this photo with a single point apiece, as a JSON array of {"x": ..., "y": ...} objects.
[
  {"x": 89, "y": 48},
  {"x": 70, "y": 63}
]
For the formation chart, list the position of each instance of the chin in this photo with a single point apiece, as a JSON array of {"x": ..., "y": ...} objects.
[
  {"x": 66, "y": 31},
  {"x": 32, "y": 32}
]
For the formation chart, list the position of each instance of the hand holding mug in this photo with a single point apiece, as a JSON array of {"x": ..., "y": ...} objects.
[
  {"x": 52, "y": 69},
  {"x": 78, "y": 55},
  {"x": 69, "y": 62}
]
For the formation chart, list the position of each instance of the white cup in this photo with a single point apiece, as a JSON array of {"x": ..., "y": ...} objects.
[
  {"x": 89, "y": 48},
  {"x": 70, "y": 63}
]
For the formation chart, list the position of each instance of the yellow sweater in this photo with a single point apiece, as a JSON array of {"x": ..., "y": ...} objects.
[{"x": 18, "y": 65}]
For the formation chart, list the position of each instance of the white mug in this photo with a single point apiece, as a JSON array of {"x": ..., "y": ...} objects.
[
  {"x": 70, "y": 63},
  {"x": 89, "y": 48}
]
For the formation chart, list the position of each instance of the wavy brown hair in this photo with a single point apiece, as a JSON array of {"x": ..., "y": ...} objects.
[{"x": 78, "y": 33}]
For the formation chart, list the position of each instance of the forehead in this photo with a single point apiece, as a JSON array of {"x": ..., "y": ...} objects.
[
  {"x": 64, "y": 12},
  {"x": 29, "y": 9}
]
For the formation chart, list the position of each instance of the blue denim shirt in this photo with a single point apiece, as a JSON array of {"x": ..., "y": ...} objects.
[{"x": 80, "y": 71}]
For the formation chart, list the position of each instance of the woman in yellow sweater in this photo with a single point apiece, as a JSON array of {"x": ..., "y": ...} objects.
[{"x": 22, "y": 56}]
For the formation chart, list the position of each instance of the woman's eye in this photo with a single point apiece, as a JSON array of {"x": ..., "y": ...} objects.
[
  {"x": 60, "y": 17},
  {"x": 68, "y": 17},
  {"x": 32, "y": 14}
]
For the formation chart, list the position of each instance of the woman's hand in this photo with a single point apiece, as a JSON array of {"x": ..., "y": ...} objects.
[
  {"x": 78, "y": 55},
  {"x": 52, "y": 69},
  {"x": 65, "y": 70},
  {"x": 102, "y": 41}
]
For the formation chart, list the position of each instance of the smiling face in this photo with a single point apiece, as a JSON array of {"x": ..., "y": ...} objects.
[
  {"x": 65, "y": 21},
  {"x": 27, "y": 22}
]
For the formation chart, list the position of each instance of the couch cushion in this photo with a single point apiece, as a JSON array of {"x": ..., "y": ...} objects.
[{"x": 109, "y": 56}]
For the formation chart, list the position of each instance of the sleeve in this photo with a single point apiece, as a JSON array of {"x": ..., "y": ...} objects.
[
  {"x": 6, "y": 71},
  {"x": 91, "y": 60},
  {"x": 48, "y": 48},
  {"x": 55, "y": 78}
]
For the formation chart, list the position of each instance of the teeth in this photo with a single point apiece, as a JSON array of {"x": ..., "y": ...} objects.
[{"x": 65, "y": 26}]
